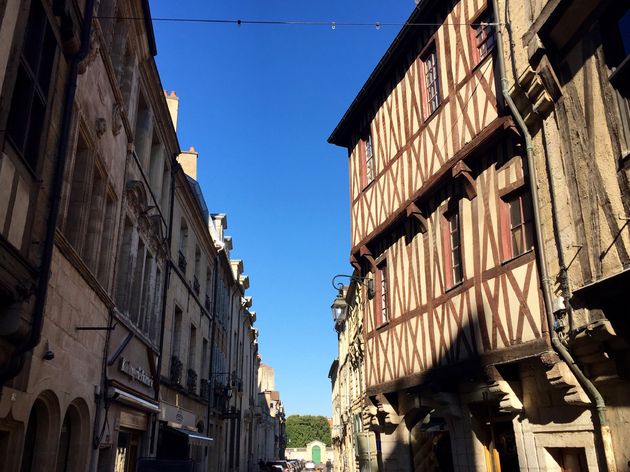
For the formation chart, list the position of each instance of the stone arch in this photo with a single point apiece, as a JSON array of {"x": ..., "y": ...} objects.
[
  {"x": 40, "y": 439},
  {"x": 74, "y": 438}
]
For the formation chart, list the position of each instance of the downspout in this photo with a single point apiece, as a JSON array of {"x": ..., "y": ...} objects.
[
  {"x": 603, "y": 430},
  {"x": 15, "y": 364},
  {"x": 212, "y": 340},
  {"x": 167, "y": 280}
]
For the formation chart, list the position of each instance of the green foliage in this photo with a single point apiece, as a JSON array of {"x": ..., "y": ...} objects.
[{"x": 301, "y": 430}]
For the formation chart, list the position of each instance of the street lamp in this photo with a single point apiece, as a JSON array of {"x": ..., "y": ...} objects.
[{"x": 340, "y": 305}]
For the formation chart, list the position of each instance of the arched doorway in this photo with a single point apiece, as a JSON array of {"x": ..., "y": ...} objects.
[
  {"x": 40, "y": 439},
  {"x": 316, "y": 454},
  {"x": 73, "y": 438}
]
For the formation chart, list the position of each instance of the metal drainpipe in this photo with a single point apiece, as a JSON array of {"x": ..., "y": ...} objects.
[
  {"x": 606, "y": 456},
  {"x": 167, "y": 281},
  {"x": 16, "y": 362},
  {"x": 212, "y": 339}
]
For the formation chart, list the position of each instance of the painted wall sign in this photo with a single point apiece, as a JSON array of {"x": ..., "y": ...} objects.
[{"x": 134, "y": 372}]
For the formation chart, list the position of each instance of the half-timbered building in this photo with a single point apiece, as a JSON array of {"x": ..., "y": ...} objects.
[{"x": 459, "y": 364}]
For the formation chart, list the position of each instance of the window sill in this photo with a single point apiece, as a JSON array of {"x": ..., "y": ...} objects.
[
  {"x": 483, "y": 60},
  {"x": 454, "y": 287},
  {"x": 432, "y": 115},
  {"x": 518, "y": 256},
  {"x": 368, "y": 185},
  {"x": 382, "y": 326}
]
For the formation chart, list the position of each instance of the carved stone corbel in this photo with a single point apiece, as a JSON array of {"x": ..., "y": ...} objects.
[
  {"x": 100, "y": 126},
  {"x": 560, "y": 376}
]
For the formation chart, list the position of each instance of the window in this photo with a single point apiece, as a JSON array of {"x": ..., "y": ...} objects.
[
  {"x": 177, "y": 332},
  {"x": 89, "y": 217},
  {"x": 123, "y": 272},
  {"x": 367, "y": 160},
  {"x": 483, "y": 34},
  {"x": 616, "y": 42},
  {"x": 517, "y": 237},
  {"x": 431, "y": 81},
  {"x": 30, "y": 96},
  {"x": 381, "y": 308},
  {"x": 451, "y": 237},
  {"x": 183, "y": 245}
]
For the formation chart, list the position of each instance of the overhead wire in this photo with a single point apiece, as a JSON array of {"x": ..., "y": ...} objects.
[{"x": 333, "y": 24}]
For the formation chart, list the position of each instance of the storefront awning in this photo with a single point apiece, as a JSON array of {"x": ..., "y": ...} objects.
[
  {"x": 194, "y": 438},
  {"x": 133, "y": 400}
]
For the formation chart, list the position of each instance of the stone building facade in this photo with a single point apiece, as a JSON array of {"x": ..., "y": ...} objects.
[
  {"x": 350, "y": 429},
  {"x": 118, "y": 301},
  {"x": 269, "y": 418},
  {"x": 567, "y": 73},
  {"x": 489, "y": 189}
]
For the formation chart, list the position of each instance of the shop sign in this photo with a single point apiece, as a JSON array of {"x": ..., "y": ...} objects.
[
  {"x": 134, "y": 372},
  {"x": 133, "y": 420},
  {"x": 177, "y": 415}
]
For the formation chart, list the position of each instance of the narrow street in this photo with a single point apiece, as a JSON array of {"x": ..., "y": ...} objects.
[{"x": 451, "y": 179}]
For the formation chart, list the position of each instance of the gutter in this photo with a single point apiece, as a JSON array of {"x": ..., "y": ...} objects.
[
  {"x": 16, "y": 362},
  {"x": 605, "y": 452}
]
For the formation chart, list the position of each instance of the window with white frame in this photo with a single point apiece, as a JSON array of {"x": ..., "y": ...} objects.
[{"x": 431, "y": 80}]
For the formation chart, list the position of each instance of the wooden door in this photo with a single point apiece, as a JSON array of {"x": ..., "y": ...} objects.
[{"x": 316, "y": 453}]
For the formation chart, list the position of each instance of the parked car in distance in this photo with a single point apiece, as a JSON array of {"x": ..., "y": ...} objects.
[
  {"x": 278, "y": 466},
  {"x": 309, "y": 465}
]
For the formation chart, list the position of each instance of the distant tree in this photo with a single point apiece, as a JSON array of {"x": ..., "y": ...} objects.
[{"x": 301, "y": 430}]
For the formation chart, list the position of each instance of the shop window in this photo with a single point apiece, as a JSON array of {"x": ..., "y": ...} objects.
[
  {"x": 483, "y": 35},
  {"x": 451, "y": 241},
  {"x": 517, "y": 225},
  {"x": 431, "y": 81},
  {"x": 127, "y": 451},
  {"x": 30, "y": 100}
]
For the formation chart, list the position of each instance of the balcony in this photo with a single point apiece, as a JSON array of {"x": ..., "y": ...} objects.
[
  {"x": 181, "y": 262},
  {"x": 196, "y": 286},
  {"x": 176, "y": 370},
  {"x": 191, "y": 381}
]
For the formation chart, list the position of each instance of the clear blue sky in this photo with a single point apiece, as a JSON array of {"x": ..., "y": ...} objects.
[{"x": 258, "y": 103}]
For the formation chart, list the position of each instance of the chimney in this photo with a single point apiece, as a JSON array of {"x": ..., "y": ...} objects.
[
  {"x": 188, "y": 161},
  {"x": 172, "y": 101}
]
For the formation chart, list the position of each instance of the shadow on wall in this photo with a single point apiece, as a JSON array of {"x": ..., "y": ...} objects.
[{"x": 466, "y": 413}]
